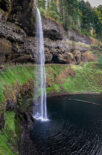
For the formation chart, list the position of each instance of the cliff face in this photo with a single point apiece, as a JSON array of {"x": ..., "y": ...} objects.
[{"x": 17, "y": 37}]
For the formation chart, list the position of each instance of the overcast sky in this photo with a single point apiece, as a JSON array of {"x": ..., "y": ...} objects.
[{"x": 95, "y": 2}]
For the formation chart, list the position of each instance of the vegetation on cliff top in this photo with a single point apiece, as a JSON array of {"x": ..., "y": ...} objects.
[{"x": 75, "y": 14}]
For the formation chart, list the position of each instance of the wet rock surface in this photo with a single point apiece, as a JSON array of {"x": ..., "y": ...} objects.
[
  {"x": 22, "y": 14},
  {"x": 24, "y": 110},
  {"x": 76, "y": 36},
  {"x": 17, "y": 26}
]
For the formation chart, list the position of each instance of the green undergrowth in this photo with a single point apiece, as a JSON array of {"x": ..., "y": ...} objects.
[
  {"x": 12, "y": 76},
  {"x": 83, "y": 78},
  {"x": 8, "y": 136},
  {"x": 87, "y": 79}
]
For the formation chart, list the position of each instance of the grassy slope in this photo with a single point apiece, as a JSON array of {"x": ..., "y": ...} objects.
[
  {"x": 8, "y": 135},
  {"x": 9, "y": 80},
  {"x": 12, "y": 76},
  {"x": 83, "y": 78},
  {"x": 87, "y": 78}
]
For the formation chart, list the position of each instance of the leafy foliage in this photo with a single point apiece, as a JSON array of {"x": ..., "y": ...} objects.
[
  {"x": 87, "y": 78},
  {"x": 75, "y": 14}
]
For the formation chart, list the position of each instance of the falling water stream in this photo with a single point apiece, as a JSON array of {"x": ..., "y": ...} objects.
[
  {"x": 75, "y": 126},
  {"x": 40, "y": 109}
]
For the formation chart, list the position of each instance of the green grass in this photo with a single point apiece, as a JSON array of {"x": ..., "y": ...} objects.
[
  {"x": 12, "y": 76},
  {"x": 11, "y": 81},
  {"x": 87, "y": 79},
  {"x": 8, "y": 135}
]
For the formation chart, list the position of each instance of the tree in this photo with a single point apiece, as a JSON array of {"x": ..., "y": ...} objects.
[
  {"x": 86, "y": 15},
  {"x": 74, "y": 14},
  {"x": 99, "y": 13}
]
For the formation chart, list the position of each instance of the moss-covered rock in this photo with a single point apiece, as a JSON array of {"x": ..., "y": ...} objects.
[{"x": 9, "y": 137}]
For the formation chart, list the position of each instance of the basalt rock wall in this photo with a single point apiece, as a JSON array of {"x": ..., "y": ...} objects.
[{"x": 18, "y": 43}]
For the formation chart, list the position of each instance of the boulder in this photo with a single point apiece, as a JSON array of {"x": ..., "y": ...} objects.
[
  {"x": 89, "y": 56},
  {"x": 48, "y": 56},
  {"x": 77, "y": 55},
  {"x": 52, "y": 30},
  {"x": 76, "y": 36},
  {"x": 1, "y": 67},
  {"x": 23, "y": 59},
  {"x": 66, "y": 58},
  {"x": 12, "y": 32}
]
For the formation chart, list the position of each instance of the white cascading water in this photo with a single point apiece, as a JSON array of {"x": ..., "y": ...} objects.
[{"x": 40, "y": 108}]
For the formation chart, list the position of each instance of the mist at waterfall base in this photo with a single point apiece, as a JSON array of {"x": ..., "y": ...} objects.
[
  {"x": 75, "y": 126},
  {"x": 40, "y": 107}
]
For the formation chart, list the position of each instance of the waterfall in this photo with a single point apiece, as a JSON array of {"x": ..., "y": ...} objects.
[{"x": 40, "y": 108}]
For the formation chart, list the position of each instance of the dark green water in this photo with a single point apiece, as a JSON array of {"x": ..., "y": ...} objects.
[{"x": 74, "y": 126}]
